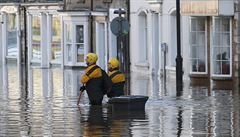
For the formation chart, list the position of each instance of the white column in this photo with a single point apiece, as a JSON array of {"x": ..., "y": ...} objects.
[
  {"x": 29, "y": 37},
  {"x": 160, "y": 42},
  {"x": 1, "y": 39},
  {"x": 44, "y": 47},
  {"x": 19, "y": 49},
  {"x": 49, "y": 39},
  {"x": 4, "y": 38},
  {"x": 62, "y": 42},
  {"x": 150, "y": 41}
]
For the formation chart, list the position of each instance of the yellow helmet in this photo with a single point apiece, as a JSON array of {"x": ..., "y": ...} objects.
[
  {"x": 113, "y": 63},
  {"x": 91, "y": 58}
]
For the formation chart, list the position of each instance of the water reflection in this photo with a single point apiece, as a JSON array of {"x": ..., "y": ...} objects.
[{"x": 42, "y": 102}]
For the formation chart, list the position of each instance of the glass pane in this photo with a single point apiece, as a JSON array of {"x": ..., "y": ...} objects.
[
  {"x": 217, "y": 67},
  {"x": 79, "y": 34},
  {"x": 201, "y": 38},
  {"x": 11, "y": 35},
  {"x": 193, "y": 24},
  {"x": 216, "y": 54},
  {"x": 217, "y": 27},
  {"x": 194, "y": 65},
  {"x": 80, "y": 53},
  {"x": 225, "y": 25},
  {"x": 194, "y": 52},
  {"x": 193, "y": 39},
  {"x": 56, "y": 30},
  {"x": 56, "y": 39},
  {"x": 225, "y": 67},
  {"x": 36, "y": 38},
  {"x": 201, "y": 24},
  {"x": 216, "y": 39},
  {"x": 201, "y": 52},
  {"x": 201, "y": 65},
  {"x": 225, "y": 53},
  {"x": 68, "y": 33},
  {"x": 56, "y": 51},
  {"x": 69, "y": 52},
  {"x": 225, "y": 39}
]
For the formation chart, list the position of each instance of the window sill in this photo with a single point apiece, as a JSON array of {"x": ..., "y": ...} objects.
[
  {"x": 172, "y": 68},
  {"x": 199, "y": 75},
  {"x": 142, "y": 64},
  {"x": 221, "y": 77}
]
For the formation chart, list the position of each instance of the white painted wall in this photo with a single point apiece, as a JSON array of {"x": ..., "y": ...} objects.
[{"x": 149, "y": 66}]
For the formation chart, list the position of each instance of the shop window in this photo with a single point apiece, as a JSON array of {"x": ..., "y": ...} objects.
[
  {"x": 56, "y": 53},
  {"x": 198, "y": 45},
  {"x": 36, "y": 38},
  {"x": 68, "y": 42},
  {"x": 12, "y": 35},
  {"x": 221, "y": 46},
  {"x": 80, "y": 43},
  {"x": 143, "y": 51}
]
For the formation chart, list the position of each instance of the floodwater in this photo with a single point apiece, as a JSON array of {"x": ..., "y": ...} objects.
[{"x": 42, "y": 102}]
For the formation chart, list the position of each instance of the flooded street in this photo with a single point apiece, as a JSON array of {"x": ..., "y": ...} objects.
[{"x": 42, "y": 102}]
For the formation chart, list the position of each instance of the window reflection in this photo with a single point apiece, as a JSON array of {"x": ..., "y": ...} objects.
[{"x": 79, "y": 43}]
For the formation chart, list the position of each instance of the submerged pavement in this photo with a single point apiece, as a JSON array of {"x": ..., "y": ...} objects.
[{"x": 42, "y": 102}]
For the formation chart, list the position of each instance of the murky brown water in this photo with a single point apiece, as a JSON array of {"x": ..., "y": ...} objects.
[{"x": 42, "y": 102}]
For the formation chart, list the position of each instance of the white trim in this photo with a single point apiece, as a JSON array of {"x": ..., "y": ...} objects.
[
  {"x": 44, "y": 40},
  {"x": 4, "y": 42},
  {"x": 62, "y": 42},
  {"x": 1, "y": 58},
  {"x": 19, "y": 54},
  {"x": 78, "y": 14},
  {"x": 29, "y": 37}
]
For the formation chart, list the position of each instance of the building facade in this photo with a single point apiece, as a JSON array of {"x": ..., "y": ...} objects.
[
  {"x": 209, "y": 39},
  {"x": 57, "y": 32}
]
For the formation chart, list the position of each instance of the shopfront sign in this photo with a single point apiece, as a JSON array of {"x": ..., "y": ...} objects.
[
  {"x": 9, "y": 9},
  {"x": 207, "y": 7}
]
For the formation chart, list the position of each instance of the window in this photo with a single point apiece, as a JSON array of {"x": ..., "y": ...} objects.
[
  {"x": 56, "y": 39},
  {"x": 80, "y": 43},
  {"x": 221, "y": 46},
  {"x": 69, "y": 42},
  {"x": 36, "y": 38},
  {"x": 12, "y": 35},
  {"x": 198, "y": 45},
  {"x": 143, "y": 51}
]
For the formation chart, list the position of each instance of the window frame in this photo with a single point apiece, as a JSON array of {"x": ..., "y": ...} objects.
[
  {"x": 230, "y": 48},
  {"x": 206, "y": 46}
]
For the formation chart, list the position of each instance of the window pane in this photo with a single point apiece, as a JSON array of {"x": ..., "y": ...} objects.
[
  {"x": 216, "y": 39},
  {"x": 56, "y": 30},
  {"x": 79, "y": 34},
  {"x": 69, "y": 52},
  {"x": 80, "y": 53},
  {"x": 217, "y": 26},
  {"x": 193, "y": 38},
  {"x": 226, "y": 39},
  {"x": 194, "y": 65},
  {"x": 216, "y": 54},
  {"x": 201, "y": 38},
  {"x": 217, "y": 67},
  {"x": 56, "y": 39},
  {"x": 201, "y": 65},
  {"x": 68, "y": 33},
  {"x": 193, "y": 24},
  {"x": 201, "y": 25},
  {"x": 56, "y": 51},
  {"x": 225, "y": 53},
  {"x": 194, "y": 52},
  {"x": 225, "y": 67},
  {"x": 225, "y": 25},
  {"x": 11, "y": 35},
  {"x": 36, "y": 38}
]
